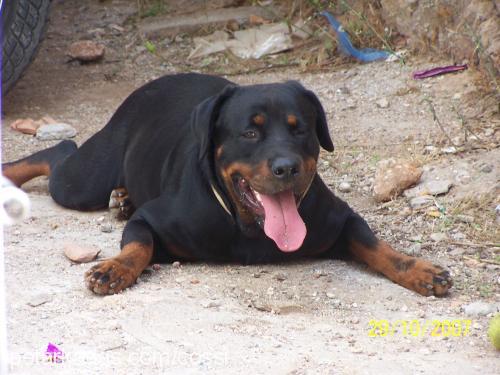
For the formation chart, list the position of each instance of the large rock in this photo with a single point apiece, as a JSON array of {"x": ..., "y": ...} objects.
[
  {"x": 86, "y": 51},
  {"x": 50, "y": 132},
  {"x": 393, "y": 177}
]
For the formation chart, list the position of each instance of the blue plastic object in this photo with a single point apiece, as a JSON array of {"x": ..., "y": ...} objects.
[{"x": 365, "y": 54}]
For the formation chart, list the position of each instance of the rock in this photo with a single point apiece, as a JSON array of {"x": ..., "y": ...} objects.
[
  {"x": 345, "y": 187},
  {"x": 50, "y": 132},
  {"x": 176, "y": 264},
  {"x": 86, "y": 51},
  {"x": 39, "y": 299},
  {"x": 478, "y": 308},
  {"x": 80, "y": 254},
  {"x": 393, "y": 177},
  {"x": 330, "y": 295},
  {"x": 430, "y": 149},
  {"x": 438, "y": 187},
  {"x": 438, "y": 237},
  {"x": 382, "y": 103},
  {"x": 415, "y": 249},
  {"x": 25, "y": 126},
  {"x": 488, "y": 168},
  {"x": 280, "y": 277},
  {"x": 465, "y": 218},
  {"x": 210, "y": 304},
  {"x": 421, "y": 202},
  {"x": 434, "y": 187},
  {"x": 106, "y": 228},
  {"x": 449, "y": 150}
]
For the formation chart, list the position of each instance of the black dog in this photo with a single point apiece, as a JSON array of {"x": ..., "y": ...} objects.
[{"x": 217, "y": 172}]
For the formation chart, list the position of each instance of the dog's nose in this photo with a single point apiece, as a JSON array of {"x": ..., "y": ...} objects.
[{"x": 285, "y": 168}]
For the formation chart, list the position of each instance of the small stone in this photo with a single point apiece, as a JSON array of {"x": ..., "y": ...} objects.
[
  {"x": 421, "y": 202},
  {"x": 456, "y": 96},
  {"x": 430, "y": 149},
  {"x": 478, "y": 308},
  {"x": 488, "y": 132},
  {"x": 176, "y": 264},
  {"x": 25, "y": 126},
  {"x": 80, "y": 254},
  {"x": 50, "y": 132},
  {"x": 156, "y": 267},
  {"x": 330, "y": 295},
  {"x": 86, "y": 51},
  {"x": 345, "y": 187},
  {"x": 106, "y": 228},
  {"x": 438, "y": 237},
  {"x": 457, "y": 252},
  {"x": 343, "y": 91},
  {"x": 465, "y": 218},
  {"x": 39, "y": 299},
  {"x": 383, "y": 103},
  {"x": 415, "y": 249},
  {"x": 449, "y": 150},
  {"x": 280, "y": 277},
  {"x": 488, "y": 168},
  {"x": 393, "y": 177},
  {"x": 210, "y": 304}
]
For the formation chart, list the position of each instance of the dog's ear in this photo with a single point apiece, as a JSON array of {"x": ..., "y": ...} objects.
[
  {"x": 205, "y": 115},
  {"x": 321, "y": 125}
]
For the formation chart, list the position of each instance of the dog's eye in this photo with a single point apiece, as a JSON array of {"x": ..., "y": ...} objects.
[{"x": 250, "y": 134}]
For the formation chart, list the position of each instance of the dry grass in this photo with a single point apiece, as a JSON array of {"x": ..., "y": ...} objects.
[{"x": 482, "y": 209}]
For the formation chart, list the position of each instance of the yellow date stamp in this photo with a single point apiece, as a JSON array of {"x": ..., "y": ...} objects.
[{"x": 419, "y": 328}]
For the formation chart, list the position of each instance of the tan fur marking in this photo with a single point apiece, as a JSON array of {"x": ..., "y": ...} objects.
[
  {"x": 218, "y": 152},
  {"x": 259, "y": 120},
  {"x": 22, "y": 172}
]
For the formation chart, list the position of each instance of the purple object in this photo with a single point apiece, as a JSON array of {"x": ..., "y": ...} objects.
[
  {"x": 54, "y": 354},
  {"x": 421, "y": 74}
]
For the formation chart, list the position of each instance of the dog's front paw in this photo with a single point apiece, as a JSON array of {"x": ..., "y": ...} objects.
[
  {"x": 109, "y": 277},
  {"x": 428, "y": 279}
]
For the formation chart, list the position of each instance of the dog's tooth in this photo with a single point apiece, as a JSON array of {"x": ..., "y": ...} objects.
[{"x": 257, "y": 195}]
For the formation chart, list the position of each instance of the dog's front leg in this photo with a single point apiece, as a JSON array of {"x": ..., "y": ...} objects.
[
  {"x": 413, "y": 273},
  {"x": 113, "y": 275}
]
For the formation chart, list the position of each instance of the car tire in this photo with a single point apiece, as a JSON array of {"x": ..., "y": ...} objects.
[{"x": 24, "y": 24}]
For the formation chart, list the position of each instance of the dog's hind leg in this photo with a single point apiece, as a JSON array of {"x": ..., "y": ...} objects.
[
  {"x": 79, "y": 178},
  {"x": 41, "y": 163}
]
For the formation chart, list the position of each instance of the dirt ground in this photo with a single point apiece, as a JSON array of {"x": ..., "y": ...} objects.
[{"x": 312, "y": 317}]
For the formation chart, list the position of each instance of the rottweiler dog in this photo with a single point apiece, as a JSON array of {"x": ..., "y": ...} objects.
[{"x": 216, "y": 172}]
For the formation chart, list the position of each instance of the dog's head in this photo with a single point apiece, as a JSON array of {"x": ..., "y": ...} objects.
[{"x": 262, "y": 142}]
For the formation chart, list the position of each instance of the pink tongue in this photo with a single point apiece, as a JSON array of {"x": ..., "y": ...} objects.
[{"x": 283, "y": 223}]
